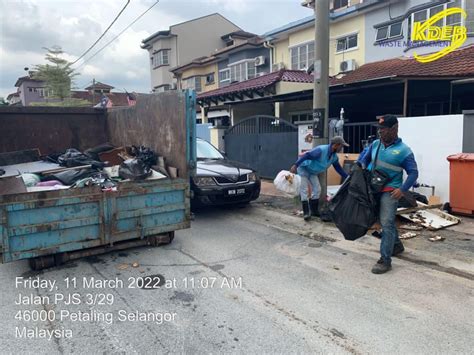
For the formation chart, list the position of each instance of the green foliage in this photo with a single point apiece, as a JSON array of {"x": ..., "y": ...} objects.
[
  {"x": 58, "y": 76},
  {"x": 3, "y": 102}
]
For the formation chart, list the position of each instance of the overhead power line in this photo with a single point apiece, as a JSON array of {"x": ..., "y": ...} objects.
[
  {"x": 103, "y": 34},
  {"x": 117, "y": 36}
]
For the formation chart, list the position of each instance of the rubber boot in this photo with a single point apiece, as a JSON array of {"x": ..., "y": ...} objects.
[
  {"x": 314, "y": 205},
  {"x": 306, "y": 213}
]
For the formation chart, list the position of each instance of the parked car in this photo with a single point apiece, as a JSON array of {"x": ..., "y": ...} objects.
[{"x": 220, "y": 181}]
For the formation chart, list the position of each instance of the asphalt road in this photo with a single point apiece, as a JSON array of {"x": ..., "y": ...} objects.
[{"x": 243, "y": 280}]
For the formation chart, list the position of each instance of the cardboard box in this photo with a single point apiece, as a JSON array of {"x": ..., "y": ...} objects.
[{"x": 333, "y": 177}]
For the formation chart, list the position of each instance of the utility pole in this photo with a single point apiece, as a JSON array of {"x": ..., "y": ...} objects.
[
  {"x": 93, "y": 91},
  {"x": 321, "y": 84}
]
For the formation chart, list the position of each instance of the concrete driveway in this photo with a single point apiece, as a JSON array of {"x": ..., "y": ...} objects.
[{"x": 246, "y": 281}]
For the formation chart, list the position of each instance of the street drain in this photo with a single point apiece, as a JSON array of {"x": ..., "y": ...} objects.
[{"x": 151, "y": 282}]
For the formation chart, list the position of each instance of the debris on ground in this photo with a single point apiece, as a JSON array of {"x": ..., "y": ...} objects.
[
  {"x": 408, "y": 235},
  {"x": 135, "y": 264},
  {"x": 122, "y": 266},
  {"x": 411, "y": 227},
  {"x": 428, "y": 217},
  {"x": 436, "y": 238}
]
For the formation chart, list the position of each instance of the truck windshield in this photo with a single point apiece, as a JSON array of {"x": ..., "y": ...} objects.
[{"x": 205, "y": 150}]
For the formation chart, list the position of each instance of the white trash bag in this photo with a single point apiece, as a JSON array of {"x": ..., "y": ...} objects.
[{"x": 288, "y": 183}]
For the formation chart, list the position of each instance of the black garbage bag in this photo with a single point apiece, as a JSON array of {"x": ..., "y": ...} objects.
[
  {"x": 146, "y": 155},
  {"x": 353, "y": 207},
  {"x": 134, "y": 169},
  {"x": 409, "y": 199},
  {"x": 69, "y": 177},
  {"x": 52, "y": 158},
  {"x": 73, "y": 157}
]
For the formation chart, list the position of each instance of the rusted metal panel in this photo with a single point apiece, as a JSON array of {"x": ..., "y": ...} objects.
[
  {"x": 18, "y": 157},
  {"x": 51, "y": 129},
  {"x": 157, "y": 121},
  {"x": 68, "y": 220}
]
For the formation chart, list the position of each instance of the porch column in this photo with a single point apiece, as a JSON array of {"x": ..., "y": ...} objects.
[
  {"x": 278, "y": 109},
  {"x": 204, "y": 115}
]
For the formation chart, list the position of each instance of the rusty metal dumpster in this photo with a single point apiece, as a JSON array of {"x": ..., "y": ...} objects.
[{"x": 51, "y": 227}]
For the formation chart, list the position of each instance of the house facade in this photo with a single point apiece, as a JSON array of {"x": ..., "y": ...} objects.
[
  {"x": 388, "y": 28},
  {"x": 364, "y": 85},
  {"x": 245, "y": 57},
  {"x": 293, "y": 48},
  {"x": 181, "y": 43},
  {"x": 30, "y": 90}
]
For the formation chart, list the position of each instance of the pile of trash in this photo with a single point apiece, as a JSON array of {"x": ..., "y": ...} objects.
[{"x": 104, "y": 166}]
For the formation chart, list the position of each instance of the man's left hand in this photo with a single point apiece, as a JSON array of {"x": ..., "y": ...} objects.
[{"x": 397, "y": 194}]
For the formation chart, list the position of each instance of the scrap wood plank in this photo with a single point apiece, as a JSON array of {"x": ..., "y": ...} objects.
[
  {"x": 429, "y": 217},
  {"x": 421, "y": 206},
  {"x": 35, "y": 167},
  {"x": 60, "y": 170}
]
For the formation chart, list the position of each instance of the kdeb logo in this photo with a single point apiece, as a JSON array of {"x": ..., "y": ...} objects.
[{"x": 426, "y": 31}]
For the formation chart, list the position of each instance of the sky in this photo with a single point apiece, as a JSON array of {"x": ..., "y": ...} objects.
[{"x": 29, "y": 26}]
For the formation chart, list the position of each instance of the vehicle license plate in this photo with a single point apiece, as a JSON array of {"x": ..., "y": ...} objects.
[{"x": 236, "y": 192}]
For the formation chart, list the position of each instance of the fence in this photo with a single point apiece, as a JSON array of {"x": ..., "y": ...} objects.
[{"x": 355, "y": 133}]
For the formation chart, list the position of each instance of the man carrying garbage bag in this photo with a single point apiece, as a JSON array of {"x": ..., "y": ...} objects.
[
  {"x": 312, "y": 163},
  {"x": 386, "y": 159}
]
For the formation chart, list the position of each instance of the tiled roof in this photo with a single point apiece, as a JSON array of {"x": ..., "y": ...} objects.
[
  {"x": 459, "y": 63},
  {"x": 239, "y": 33},
  {"x": 15, "y": 94},
  {"x": 261, "y": 82},
  {"x": 98, "y": 85}
]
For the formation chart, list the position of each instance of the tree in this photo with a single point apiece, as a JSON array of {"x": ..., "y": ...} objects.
[
  {"x": 3, "y": 102},
  {"x": 58, "y": 76}
]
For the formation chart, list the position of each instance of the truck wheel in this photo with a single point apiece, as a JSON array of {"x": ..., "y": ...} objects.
[
  {"x": 161, "y": 239},
  {"x": 42, "y": 262}
]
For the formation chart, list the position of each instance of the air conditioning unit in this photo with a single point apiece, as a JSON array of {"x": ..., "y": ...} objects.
[
  {"x": 347, "y": 66},
  {"x": 278, "y": 66},
  {"x": 259, "y": 61}
]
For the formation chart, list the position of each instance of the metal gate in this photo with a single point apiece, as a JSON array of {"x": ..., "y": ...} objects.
[{"x": 265, "y": 143}]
